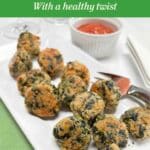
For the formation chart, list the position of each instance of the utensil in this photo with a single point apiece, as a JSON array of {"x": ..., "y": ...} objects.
[
  {"x": 140, "y": 56},
  {"x": 127, "y": 89}
]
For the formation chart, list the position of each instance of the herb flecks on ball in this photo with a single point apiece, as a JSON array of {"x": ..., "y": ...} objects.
[
  {"x": 72, "y": 133},
  {"x": 109, "y": 130},
  {"x": 138, "y": 122},
  {"x": 79, "y": 69},
  {"x": 69, "y": 88},
  {"x": 88, "y": 105},
  {"x": 51, "y": 61},
  {"x": 110, "y": 93},
  {"x": 30, "y": 43},
  {"x": 41, "y": 101},
  {"x": 20, "y": 63}
]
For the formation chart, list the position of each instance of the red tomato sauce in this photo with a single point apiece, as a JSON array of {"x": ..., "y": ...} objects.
[{"x": 95, "y": 28}]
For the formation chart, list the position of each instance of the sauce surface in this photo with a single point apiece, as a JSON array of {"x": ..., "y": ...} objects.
[{"x": 95, "y": 28}]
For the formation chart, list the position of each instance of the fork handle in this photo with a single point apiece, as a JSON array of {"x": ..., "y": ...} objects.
[{"x": 139, "y": 93}]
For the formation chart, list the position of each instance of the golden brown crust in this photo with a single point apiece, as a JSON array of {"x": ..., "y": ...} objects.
[
  {"x": 51, "y": 61},
  {"x": 72, "y": 133},
  {"x": 88, "y": 105},
  {"x": 69, "y": 87},
  {"x": 79, "y": 69},
  {"x": 113, "y": 147},
  {"x": 110, "y": 93},
  {"x": 30, "y": 43},
  {"x": 138, "y": 122},
  {"x": 109, "y": 130},
  {"x": 20, "y": 63},
  {"x": 34, "y": 76},
  {"x": 41, "y": 101}
]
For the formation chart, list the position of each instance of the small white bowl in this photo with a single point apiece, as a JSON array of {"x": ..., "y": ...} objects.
[{"x": 97, "y": 45}]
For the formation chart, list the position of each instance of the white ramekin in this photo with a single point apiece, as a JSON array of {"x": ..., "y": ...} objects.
[{"x": 98, "y": 46}]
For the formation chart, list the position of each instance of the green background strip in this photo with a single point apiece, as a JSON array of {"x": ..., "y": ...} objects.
[
  {"x": 24, "y": 8},
  {"x": 11, "y": 137}
]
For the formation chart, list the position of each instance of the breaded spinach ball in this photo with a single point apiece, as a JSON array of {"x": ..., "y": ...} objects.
[
  {"x": 88, "y": 105},
  {"x": 30, "y": 78},
  {"x": 69, "y": 87},
  {"x": 51, "y": 61},
  {"x": 41, "y": 101},
  {"x": 137, "y": 121},
  {"x": 109, "y": 130},
  {"x": 79, "y": 69},
  {"x": 72, "y": 133},
  {"x": 30, "y": 43},
  {"x": 110, "y": 93},
  {"x": 20, "y": 63}
]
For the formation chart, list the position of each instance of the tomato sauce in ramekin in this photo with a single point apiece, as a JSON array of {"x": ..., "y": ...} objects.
[{"x": 95, "y": 28}]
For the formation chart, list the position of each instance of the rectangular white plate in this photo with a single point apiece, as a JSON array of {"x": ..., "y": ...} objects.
[{"x": 38, "y": 131}]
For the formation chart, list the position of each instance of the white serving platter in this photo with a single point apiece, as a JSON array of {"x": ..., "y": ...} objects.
[{"x": 38, "y": 131}]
